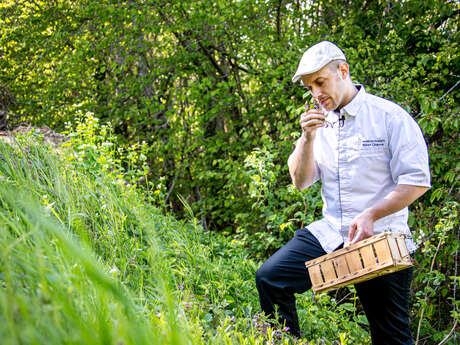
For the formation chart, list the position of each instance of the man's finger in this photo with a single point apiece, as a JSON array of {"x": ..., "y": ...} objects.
[
  {"x": 313, "y": 115},
  {"x": 358, "y": 237},
  {"x": 311, "y": 123},
  {"x": 314, "y": 111},
  {"x": 351, "y": 232}
]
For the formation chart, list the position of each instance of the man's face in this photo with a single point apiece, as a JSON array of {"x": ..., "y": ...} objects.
[{"x": 328, "y": 86}]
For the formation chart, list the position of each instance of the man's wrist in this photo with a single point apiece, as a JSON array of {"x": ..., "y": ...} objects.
[
  {"x": 307, "y": 138},
  {"x": 372, "y": 214}
]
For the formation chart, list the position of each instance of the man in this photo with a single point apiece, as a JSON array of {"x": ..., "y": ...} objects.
[{"x": 372, "y": 160}]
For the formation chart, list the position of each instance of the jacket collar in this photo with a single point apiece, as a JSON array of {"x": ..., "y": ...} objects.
[{"x": 353, "y": 107}]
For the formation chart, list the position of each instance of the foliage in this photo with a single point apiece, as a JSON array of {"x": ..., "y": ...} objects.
[
  {"x": 206, "y": 85},
  {"x": 94, "y": 148},
  {"x": 438, "y": 281},
  {"x": 275, "y": 210},
  {"x": 84, "y": 259},
  {"x": 65, "y": 241}
]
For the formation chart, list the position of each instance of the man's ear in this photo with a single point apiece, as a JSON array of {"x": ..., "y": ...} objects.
[{"x": 344, "y": 70}]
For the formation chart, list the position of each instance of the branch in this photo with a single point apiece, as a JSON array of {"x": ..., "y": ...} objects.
[
  {"x": 450, "y": 334},
  {"x": 426, "y": 297},
  {"x": 448, "y": 91},
  {"x": 231, "y": 62},
  {"x": 278, "y": 20},
  {"x": 203, "y": 218},
  {"x": 209, "y": 56}
]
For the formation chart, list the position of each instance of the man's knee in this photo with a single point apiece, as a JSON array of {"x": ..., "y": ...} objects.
[
  {"x": 264, "y": 274},
  {"x": 260, "y": 275}
]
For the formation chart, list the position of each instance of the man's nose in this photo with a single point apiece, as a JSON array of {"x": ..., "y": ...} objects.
[{"x": 315, "y": 91}]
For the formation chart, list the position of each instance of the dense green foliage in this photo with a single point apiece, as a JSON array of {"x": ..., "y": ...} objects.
[
  {"x": 84, "y": 259},
  {"x": 200, "y": 95}
]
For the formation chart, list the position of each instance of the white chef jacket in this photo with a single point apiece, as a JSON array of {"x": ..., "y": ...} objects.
[{"x": 360, "y": 159}]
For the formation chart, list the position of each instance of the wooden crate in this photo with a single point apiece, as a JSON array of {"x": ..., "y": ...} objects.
[{"x": 375, "y": 256}]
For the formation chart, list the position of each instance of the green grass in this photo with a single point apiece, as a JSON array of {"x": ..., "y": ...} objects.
[{"x": 85, "y": 260}]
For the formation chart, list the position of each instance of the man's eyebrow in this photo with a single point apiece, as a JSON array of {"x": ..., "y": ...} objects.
[{"x": 314, "y": 81}]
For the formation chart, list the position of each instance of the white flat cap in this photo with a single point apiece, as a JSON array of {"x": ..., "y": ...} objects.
[{"x": 316, "y": 57}]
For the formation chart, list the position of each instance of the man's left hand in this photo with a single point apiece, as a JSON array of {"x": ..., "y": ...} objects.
[{"x": 362, "y": 226}]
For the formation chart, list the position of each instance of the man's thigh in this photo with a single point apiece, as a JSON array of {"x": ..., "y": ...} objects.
[{"x": 287, "y": 266}]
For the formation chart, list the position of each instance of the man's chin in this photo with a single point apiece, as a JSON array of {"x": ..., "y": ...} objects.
[{"x": 328, "y": 105}]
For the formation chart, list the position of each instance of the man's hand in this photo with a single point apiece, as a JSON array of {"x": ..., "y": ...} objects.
[
  {"x": 310, "y": 121},
  {"x": 362, "y": 225}
]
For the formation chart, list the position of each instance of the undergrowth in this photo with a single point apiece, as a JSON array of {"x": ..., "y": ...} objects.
[{"x": 85, "y": 259}]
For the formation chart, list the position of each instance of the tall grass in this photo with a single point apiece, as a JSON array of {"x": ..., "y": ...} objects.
[
  {"x": 70, "y": 261},
  {"x": 85, "y": 260}
]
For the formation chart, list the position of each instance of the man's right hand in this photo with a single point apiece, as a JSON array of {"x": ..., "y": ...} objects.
[{"x": 310, "y": 121}]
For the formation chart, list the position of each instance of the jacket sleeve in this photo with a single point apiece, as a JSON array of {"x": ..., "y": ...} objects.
[{"x": 409, "y": 163}]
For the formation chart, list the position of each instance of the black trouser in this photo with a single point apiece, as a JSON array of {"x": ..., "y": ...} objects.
[{"x": 385, "y": 299}]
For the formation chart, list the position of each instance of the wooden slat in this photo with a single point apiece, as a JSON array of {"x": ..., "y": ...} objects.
[
  {"x": 348, "y": 249},
  {"x": 341, "y": 266},
  {"x": 368, "y": 256},
  {"x": 353, "y": 261},
  {"x": 402, "y": 247},
  {"x": 315, "y": 275},
  {"x": 361, "y": 276},
  {"x": 364, "y": 276},
  {"x": 393, "y": 248},
  {"x": 328, "y": 271},
  {"x": 383, "y": 251}
]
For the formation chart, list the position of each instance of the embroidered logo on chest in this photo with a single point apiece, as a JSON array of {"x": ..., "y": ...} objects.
[{"x": 373, "y": 145}]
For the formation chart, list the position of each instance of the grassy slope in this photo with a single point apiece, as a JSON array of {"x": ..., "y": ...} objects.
[{"x": 83, "y": 259}]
